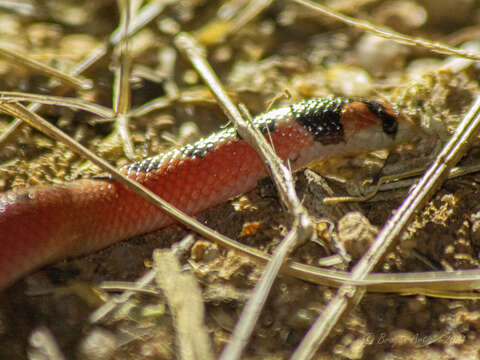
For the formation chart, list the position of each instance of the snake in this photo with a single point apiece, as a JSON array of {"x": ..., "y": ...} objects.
[{"x": 42, "y": 224}]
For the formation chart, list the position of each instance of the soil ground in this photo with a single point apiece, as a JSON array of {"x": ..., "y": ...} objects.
[{"x": 285, "y": 48}]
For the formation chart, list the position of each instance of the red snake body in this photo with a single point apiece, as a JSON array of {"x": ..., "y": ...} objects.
[{"x": 43, "y": 224}]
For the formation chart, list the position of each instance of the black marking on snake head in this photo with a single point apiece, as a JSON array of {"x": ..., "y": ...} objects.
[
  {"x": 389, "y": 122},
  {"x": 321, "y": 118}
]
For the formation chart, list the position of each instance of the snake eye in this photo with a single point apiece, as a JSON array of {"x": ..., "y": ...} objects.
[
  {"x": 389, "y": 123},
  {"x": 388, "y": 116}
]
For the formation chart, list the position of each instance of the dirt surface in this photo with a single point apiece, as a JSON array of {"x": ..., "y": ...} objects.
[{"x": 285, "y": 48}]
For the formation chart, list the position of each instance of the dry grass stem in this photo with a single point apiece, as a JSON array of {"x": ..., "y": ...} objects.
[
  {"x": 121, "y": 84},
  {"x": 249, "y": 13},
  {"x": 71, "y": 80},
  {"x": 72, "y": 103},
  {"x": 184, "y": 298},
  {"x": 436, "y": 47}
]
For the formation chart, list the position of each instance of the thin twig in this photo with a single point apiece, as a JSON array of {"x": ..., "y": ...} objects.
[
  {"x": 451, "y": 153},
  {"x": 253, "y": 9},
  {"x": 184, "y": 298},
  {"x": 112, "y": 303},
  {"x": 121, "y": 84},
  {"x": 183, "y": 98},
  {"x": 302, "y": 227},
  {"x": 46, "y": 70},
  {"x": 73, "y": 103},
  {"x": 436, "y": 47}
]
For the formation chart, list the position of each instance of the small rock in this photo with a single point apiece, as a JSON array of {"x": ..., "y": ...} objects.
[
  {"x": 356, "y": 234},
  {"x": 379, "y": 55},
  {"x": 100, "y": 344}
]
